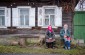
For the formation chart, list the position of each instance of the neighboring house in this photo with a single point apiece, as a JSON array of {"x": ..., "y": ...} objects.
[{"x": 80, "y": 6}]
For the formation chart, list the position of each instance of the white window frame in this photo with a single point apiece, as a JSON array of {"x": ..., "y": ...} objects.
[
  {"x": 48, "y": 7},
  {"x": 23, "y": 26},
  {"x": 4, "y": 8},
  {"x": 49, "y": 16}
]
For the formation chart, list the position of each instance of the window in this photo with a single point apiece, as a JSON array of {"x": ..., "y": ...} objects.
[
  {"x": 24, "y": 16},
  {"x": 49, "y": 17},
  {"x": 2, "y": 17}
]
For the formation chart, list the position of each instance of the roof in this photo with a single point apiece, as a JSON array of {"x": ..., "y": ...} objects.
[{"x": 8, "y": 2}]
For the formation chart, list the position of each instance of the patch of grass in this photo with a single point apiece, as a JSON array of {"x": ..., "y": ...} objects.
[
  {"x": 34, "y": 47},
  {"x": 17, "y": 49}
]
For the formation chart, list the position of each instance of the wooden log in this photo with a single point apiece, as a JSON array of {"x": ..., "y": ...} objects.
[{"x": 22, "y": 42}]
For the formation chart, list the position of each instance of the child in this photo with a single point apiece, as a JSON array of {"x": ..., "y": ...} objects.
[{"x": 50, "y": 37}]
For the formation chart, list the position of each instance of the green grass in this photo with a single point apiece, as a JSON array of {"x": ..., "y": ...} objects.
[
  {"x": 17, "y": 49},
  {"x": 34, "y": 47}
]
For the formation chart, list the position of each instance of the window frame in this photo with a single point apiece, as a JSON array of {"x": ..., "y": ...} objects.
[
  {"x": 23, "y": 7},
  {"x": 3, "y": 8},
  {"x": 49, "y": 7}
]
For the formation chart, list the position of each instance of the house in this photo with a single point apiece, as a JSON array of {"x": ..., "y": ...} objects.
[{"x": 25, "y": 14}]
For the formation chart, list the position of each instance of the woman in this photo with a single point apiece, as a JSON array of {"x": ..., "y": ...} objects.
[
  {"x": 50, "y": 37},
  {"x": 65, "y": 35}
]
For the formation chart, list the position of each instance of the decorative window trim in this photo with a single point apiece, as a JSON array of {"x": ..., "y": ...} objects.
[
  {"x": 48, "y": 7},
  {"x": 22, "y": 26}
]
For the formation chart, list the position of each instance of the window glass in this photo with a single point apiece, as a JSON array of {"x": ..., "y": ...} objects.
[{"x": 49, "y": 11}]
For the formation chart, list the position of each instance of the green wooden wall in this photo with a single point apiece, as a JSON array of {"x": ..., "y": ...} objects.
[{"x": 79, "y": 25}]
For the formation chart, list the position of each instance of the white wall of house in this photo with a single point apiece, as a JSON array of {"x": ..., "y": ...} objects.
[
  {"x": 77, "y": 8},
  {"x": 57, "y": 13}
]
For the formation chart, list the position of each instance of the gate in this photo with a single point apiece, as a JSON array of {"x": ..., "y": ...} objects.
[{"x": 79, "y": 25}]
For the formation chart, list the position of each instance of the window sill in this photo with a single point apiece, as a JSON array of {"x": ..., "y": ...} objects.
[
  {"x": 3, "y": 27},
  {"x": 24, "y": 27},
  {"x": 47, "y": 26}
]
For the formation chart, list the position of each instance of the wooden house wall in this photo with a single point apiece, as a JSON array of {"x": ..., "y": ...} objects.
[{"x": 67, "y": 17}]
